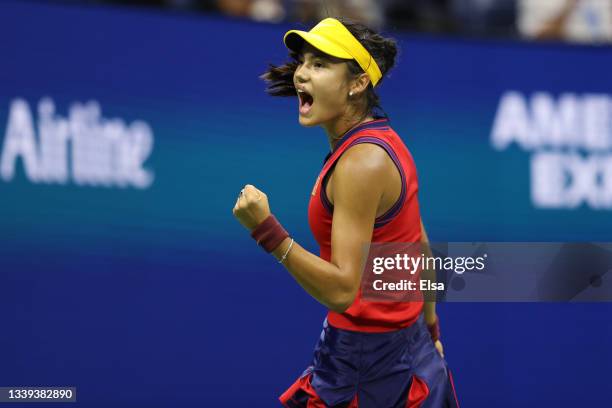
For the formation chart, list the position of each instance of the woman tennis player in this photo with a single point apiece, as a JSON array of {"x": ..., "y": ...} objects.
[{"x": 370, "y": 354}]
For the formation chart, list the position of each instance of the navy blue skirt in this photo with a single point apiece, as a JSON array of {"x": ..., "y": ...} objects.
[{"x": 395, "y": 369}]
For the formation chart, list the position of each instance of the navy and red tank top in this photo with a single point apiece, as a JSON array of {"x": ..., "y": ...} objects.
[{"x": 401, "y": 223}]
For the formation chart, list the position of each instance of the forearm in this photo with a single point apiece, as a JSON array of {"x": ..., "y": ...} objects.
[
  {"x": 323, "y": 280},
  {"x": 429, "y": 311},
  {"x": 429, "y": 307}
]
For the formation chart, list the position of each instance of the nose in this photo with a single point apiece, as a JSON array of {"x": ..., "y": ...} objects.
[{"x": 300, "y": 74}]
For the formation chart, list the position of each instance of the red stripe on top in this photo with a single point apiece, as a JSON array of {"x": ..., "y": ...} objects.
[{"x": 403, "y": 226}]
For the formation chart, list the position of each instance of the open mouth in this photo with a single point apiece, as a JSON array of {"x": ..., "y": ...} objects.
[{"x": 306, "y": 101}]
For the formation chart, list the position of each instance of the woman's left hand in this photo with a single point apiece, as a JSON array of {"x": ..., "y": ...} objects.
[{"x": 251, "y": 207}]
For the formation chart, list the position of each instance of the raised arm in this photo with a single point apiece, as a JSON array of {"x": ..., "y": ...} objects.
[{"x": 357, "y": 191}]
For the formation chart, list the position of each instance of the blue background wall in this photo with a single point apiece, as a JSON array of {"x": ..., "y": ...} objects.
[{"x": 157, "y": 297}]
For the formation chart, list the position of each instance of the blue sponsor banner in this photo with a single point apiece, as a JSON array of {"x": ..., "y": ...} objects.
[{"x": 126, "y": 135}]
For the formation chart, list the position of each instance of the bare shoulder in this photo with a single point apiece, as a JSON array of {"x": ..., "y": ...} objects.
[
  {"x": 365, "y": 177},
  {"x": 362, "y": 172},
  {"x": 363, "y": 162}
]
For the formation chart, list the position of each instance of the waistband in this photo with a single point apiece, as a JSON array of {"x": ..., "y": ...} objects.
[{"x": 406, "y": 332}]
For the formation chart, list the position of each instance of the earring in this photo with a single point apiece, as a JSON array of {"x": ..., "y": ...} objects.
[{"x": 351, "y": 93}]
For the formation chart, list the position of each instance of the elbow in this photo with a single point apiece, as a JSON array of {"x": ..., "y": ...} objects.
[
  {"x": 339, "y": 307},
  {"x": 343, "y": 290},
  {"x": 342, "y": 301}
]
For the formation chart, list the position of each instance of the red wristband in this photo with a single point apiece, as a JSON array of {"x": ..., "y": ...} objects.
[
  {"x": 434, "y": 330},
  {"x": 269, "y": 234}
]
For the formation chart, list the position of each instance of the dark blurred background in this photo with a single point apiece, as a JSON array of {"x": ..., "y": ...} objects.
[{"x": 585, "y": 21}]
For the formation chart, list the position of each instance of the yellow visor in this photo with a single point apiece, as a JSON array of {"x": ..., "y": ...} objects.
[{"x": 331, "y": 37}]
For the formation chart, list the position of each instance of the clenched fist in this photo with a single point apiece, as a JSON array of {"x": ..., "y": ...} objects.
[{"x": 251, "y": 207}]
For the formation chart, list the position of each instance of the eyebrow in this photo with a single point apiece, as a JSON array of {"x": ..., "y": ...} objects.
[{"x": 318, "y": 54}]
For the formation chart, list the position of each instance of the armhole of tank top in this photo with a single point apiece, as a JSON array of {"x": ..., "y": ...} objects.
[
  {"x": 396, "y": 207},
  {"x": 324, "y": 199}
]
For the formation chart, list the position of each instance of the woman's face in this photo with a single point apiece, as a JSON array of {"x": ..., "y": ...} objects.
[{"x": 322, "y": 85}]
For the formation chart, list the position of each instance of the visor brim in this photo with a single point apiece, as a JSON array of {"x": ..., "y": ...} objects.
[{"x": 294, "y": 40}]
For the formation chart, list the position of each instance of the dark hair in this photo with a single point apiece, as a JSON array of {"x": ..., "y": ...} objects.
[{"x": 383, "y": 50}]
